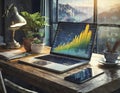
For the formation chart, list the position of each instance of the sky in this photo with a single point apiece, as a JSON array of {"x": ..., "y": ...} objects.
[
  {"x": 101, "y": 3},
  {"x": 107, "y": 5},
  {"x": 77, "y": 2}
]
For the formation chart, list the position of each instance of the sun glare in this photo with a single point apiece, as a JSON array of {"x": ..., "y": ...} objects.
[{"x": 106, "y": 4}]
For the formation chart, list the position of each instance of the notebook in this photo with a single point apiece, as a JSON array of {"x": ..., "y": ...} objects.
[{"x": 72, "y": 47}]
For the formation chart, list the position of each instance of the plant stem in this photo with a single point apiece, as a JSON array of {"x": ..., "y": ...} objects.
[
  {"x": 108, "y": 47},
  {"x": 117, "y": 43}
]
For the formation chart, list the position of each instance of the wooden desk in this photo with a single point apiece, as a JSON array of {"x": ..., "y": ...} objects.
[{"x": 55, "y": 83}]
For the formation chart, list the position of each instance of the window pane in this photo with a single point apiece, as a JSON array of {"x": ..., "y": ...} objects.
[
  {"x": 75, "y": 10},
  {"x": 54, "y": 11},
  {"x": 53, "y": 31},
  {"x": 109, "y": 11},
  {"x": 107, "y": 34}
]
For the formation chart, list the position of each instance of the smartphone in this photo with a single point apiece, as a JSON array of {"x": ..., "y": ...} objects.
[{"x": 83, "y": 75}]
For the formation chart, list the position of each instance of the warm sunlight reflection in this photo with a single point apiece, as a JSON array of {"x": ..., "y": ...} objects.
[
  {"x": 109, "y": 11},
  {"x": 104, "y": 5}
]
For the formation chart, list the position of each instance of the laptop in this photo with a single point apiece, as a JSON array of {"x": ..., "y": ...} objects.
[{"x": 72, "y": 47}]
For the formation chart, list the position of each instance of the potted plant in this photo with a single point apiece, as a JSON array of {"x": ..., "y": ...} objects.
[
  {"x": 33, "y": 29},
  {"x": 36, "y": 46},
  {"x": 111, "y": 54}
]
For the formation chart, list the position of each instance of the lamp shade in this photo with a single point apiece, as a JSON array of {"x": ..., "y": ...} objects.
[{"x": 16, "y": 19}]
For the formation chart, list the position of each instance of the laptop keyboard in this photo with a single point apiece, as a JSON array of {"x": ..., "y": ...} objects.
[{"x": 60, "y": 60}]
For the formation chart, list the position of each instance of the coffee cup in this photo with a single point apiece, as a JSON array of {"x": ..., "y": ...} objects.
[{"x": 111, "y": 57}]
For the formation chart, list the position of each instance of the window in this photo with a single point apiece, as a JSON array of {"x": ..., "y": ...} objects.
[
  {"x": 75, "y": 10},
  {"x": 104, "y": 13},
  {"x": 106, "y": 33},
  {"x": 109, "y": 12},
  {"x": 108, "y": 18},
  {"x": 70, "y": 11}
]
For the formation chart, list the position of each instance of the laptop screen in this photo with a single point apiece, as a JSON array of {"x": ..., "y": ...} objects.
[{"x": 74, "y": 39}]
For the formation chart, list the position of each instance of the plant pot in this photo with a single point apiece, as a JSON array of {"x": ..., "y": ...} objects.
[
  {"x": 27, "y": 44},
  {"x": 36, "y": 48},
  {"x": 111, "y": 57}
]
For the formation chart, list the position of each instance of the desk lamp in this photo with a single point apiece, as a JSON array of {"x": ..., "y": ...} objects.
[{"x": 17, "y": 21}]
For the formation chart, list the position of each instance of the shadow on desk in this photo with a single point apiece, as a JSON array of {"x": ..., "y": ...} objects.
[
  {"x": 117, "y": 91},
  {"x": 15, "y": 85},
  {"x": 23, "y": 84}
]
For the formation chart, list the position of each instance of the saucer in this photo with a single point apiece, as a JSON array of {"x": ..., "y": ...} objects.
[{"x": 108, "y": 63}]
